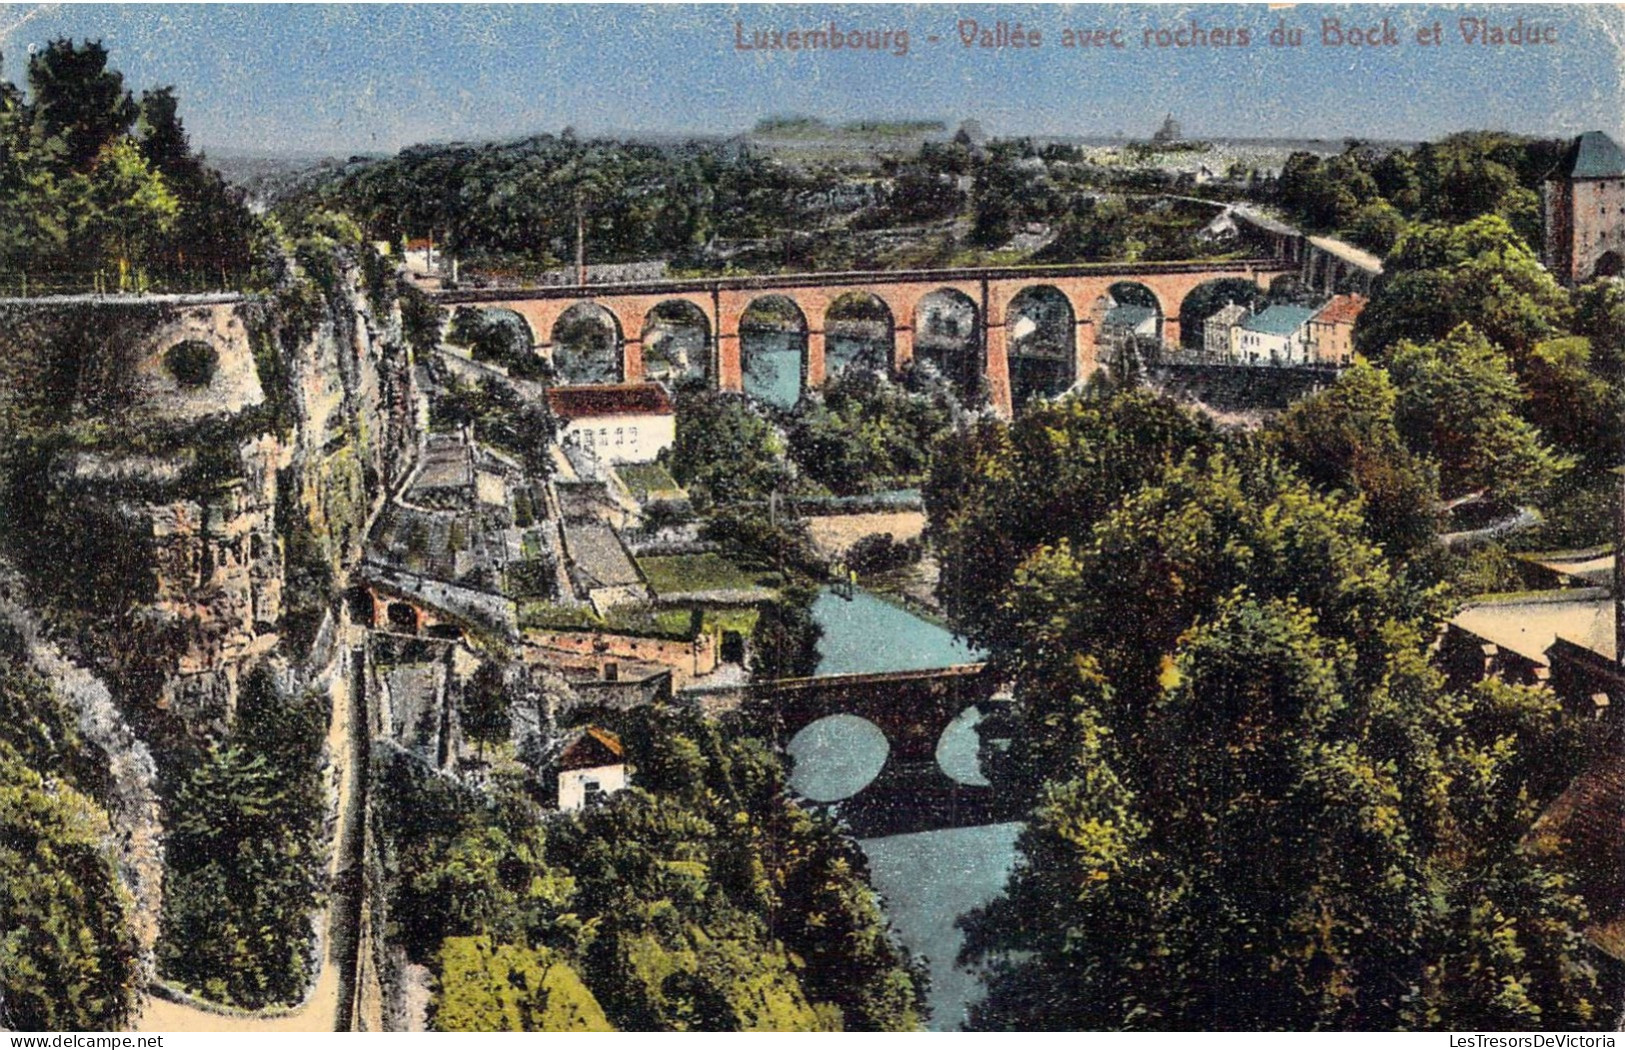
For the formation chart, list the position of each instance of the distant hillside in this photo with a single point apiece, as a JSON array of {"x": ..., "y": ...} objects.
[{"x": 795, "y": 126}]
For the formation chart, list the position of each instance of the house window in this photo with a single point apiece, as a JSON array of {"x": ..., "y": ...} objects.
[
  {"x": 619, "y": 436},
  {"x": 586, "y": 438},
  {"x": 632, "y": 435}
]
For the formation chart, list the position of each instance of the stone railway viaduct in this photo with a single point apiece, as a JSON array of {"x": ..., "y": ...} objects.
[{"x": 988, "y": 291}]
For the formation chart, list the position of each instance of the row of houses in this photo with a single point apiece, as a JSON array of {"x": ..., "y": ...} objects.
[{"x": 1283, "y": 334}]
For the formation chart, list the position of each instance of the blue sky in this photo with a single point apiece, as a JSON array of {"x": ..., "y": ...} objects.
[{"x": 353, "y": 78}]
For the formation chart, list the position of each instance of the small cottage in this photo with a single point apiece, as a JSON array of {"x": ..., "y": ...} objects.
[{"x": 592, "y": 768}]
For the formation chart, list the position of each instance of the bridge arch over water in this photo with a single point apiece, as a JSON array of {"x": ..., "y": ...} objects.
[
  {"x": 773, "y": 350},
  {"x": 911, "y": 709}
]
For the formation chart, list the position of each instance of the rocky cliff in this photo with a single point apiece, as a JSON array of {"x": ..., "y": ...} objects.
[{"x": 188, "y": 480}]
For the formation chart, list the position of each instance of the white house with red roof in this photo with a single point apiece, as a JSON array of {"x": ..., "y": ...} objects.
[{"x": 624, "y": 423}]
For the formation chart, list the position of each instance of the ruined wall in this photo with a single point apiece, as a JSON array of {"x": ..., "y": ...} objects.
[{"x": 188, "y": 480}]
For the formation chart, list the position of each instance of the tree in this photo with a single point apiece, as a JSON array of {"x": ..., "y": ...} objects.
[
  {"x": 68, "y": 957},
  {"x": 79, "y": 106},
  {"x": 1574, "y": 400},
  {"x": 483, "y": 707},
  {"x": 725, "y": 451},
  {"x": 486, "y": 987},
  {"x": 1479, "y": 273},
  {"x": 1457, "y": 404},
  {"x": 784, "y": 643},
  {"x": 996, "y": 491},
  {"x": 1344, "y": 439},
  {"x": 1252, "y": 792},
  {"x": 243, "y": 859},
  {"x": 128, "y": 207},
  {"x": 1377, "y": 226}
]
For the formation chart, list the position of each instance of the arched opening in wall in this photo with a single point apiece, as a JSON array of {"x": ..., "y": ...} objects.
[
  {"x": 836, "y": 757},
  {"x": 959, "y": 749},
  {"x": 859, "y": 332},
  {"x": 362, "y": 610},
  {"x": 948, "y": 339},
  {"x": 1226, "y": 302},
  {"x": 1128, "y": 328},
  {"x": 403, "y": 618},
  {"x": 1042, "y": 341},
  {"x": 677, "y": 344},
  {"x": 1610, "y": 265},
  {"x": 192, "y": 363},
  {"x": 586, "y": 346},
  {"x": 773, "y": 350},
  {"x": 497, "y": 336}
]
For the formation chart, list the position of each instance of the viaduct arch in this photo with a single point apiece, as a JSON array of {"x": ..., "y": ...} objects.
[{"x": 992, "y": 290}]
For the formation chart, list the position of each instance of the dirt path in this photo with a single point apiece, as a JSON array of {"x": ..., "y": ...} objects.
[{"x": 320, "y": 1012}]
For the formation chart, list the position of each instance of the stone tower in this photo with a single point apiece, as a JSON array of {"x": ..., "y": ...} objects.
[{"x": 1584, "y": 201}]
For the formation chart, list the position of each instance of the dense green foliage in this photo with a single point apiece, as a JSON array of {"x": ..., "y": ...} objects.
[
  {"x": 702, "y": 899},
  {"x": 1371, "y": 194},
  {"x": 784, "y": 643},
  {"x": 95, "y": 185},
  {"x": 865, "y": 432},
  {"x": 509, "y": 988},
  {"x": 726, "y": 450},
  {"x": 997, "y": 492},
  {"x": 511, "y": 208},
  {"x": 1345, "y": 439},
  {"x": 1457, "y": 403},
  {"x": 1257, "y": 806},
  {"x": 244, "y": 855},
  {"x": 514, "y": 204},
  {"x": 1480, "y": 273},
  {"x": 67, "y": 954}
]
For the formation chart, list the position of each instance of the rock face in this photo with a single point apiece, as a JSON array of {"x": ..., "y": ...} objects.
[{"x": 188, "y": 480}]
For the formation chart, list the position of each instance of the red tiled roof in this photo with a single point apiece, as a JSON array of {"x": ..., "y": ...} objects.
[
  {"x": 1343, "y": 309},
  {"x": 1587, "y": 824},
  {"x": 593, "y": 748},
  {"x": 628, "y": 399}
]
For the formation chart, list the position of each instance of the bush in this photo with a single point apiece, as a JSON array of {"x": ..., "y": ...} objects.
[{"x": 878, "y": 552}]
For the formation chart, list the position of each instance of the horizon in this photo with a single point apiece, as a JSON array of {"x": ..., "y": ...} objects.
[{"x": 282, "y": 81}]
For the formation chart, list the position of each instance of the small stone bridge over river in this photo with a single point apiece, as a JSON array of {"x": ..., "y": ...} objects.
[{"x": 911, "y": 708}]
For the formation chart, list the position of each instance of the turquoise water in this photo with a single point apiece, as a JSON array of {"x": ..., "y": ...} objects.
[
  {"x": 772, "y": 365},
  {"x": 929, "y": 880},
  {"x": 866, "y": 635},
  {"x": 836, "y": 757}
]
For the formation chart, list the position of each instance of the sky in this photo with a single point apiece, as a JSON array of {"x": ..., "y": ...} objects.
[{"x": 297, "y": 79}]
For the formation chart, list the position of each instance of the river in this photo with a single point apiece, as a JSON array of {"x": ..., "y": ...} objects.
[{"x": 929, "y": 879}]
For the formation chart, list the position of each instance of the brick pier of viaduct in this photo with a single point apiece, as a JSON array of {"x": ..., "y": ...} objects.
[{"x": 989, "y": 291}]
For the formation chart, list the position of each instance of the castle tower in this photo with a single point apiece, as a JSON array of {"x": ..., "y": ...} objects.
[{"x": 1584, "y": 204}]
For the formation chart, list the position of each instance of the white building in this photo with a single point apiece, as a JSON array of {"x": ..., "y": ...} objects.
[
  {"x": 592, "y": 768},
  {"x": 627, "y": 423},
  {"x": 1278, "y": 335},
  {"x": 1220, "y": 330}
]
